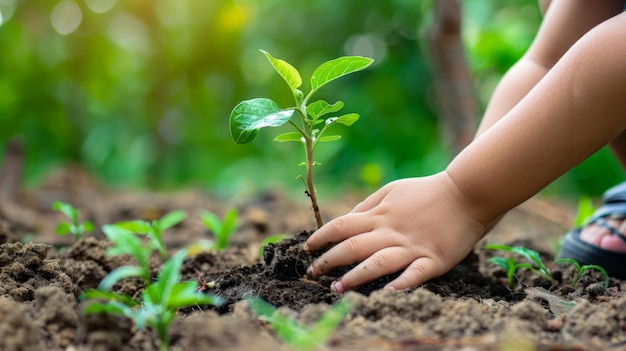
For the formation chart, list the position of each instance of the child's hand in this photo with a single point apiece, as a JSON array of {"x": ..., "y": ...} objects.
[{"x": 417, "y": 224}]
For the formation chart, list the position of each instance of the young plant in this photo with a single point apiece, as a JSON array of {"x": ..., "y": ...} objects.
[
  {"x": 312, "y": 119},
  {"x": 274, "y": 238},
  {"x": 582, "y": 268},
  {"x": 293, "y": 333},
  {"x": 73, "y": 226},
  {"x": 537, "y": 265},
  {"x": 222, "y": 229},
  {"x": 154, "y": 229},
  {"x": 127, "y": 243},
  {"x": 160, "y": 300},
  {"x": 510, "y": 266}
]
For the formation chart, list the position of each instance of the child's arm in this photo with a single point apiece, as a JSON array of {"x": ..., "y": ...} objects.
[
  {"x": 427, "y": 225},
  {"x": 563, "y": 25}
]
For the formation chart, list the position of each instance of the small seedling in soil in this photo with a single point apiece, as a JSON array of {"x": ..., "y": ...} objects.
[
  {"x": 73, "y": 227},
  {"x": 160, "y": 300},
  {"x": 222, "y": 229},
  {"x": 293, "y": 333},
  {"x": 580, "y": 269},
  {"x": 127, "y": 243},
  {"x": 312, "y": 121},
  {"x": 510, "y": 266},
  {"x": 536, "y": 265},
  {"x": 272, "y": 239},
  {"x": 154, "y": 229}
]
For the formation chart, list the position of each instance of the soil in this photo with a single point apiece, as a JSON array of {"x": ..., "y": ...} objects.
[{"x": 470, "y": 308}]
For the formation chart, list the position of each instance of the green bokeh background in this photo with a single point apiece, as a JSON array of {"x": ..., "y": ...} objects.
[{"x": 139, "y": 91}]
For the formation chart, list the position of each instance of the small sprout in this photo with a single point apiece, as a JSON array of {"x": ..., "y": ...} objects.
[
  {"x": 154, "y": 229},
  {"x": 510, "y": 266},
  {"x": 274, "y": 238},
  {"x": 160, "y": 300},
  {"x": 221, "y": 229},
  {"x": 537, "y": 265},
  {"x": 73, "y": 226},
  {"x": 582, "y": 268},
  {"x": 309, "y": 119},
  {"x": 126, "y": 243},
  {"x": 293, "y": 333}
]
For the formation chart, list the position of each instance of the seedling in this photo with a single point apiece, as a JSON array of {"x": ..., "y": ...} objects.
[
  {"x": 510, "y": 266},
  {"x": 154, "y": 229},
  {"x": 293, "y": 333},
  {"x": 536, "y": 265},
  {"x": 274, "y": 238},
  {"x": 221, "y": 229},
  {"x": 249, "y": 116},
  {"x": 160, "y": 300},
  {"x": 127, "y": 243},
  {"x": 73, "y": 227},
  {"x": 582, "y": 268}
]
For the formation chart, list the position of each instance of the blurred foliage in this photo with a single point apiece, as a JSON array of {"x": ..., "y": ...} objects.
[{"x": 139, "y": 91}]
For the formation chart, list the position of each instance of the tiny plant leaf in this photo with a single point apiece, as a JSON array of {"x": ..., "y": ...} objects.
[
  {"x": 222, "y": 229},
  {"x": 286, "y": 70},
  {"x": 337, "y": 68},
  {"x": 294, "y": 333},
  {"x": 320, "y": 107},
  {"x": 249, "y": 116},
  {"x": 74, "y": 226}
]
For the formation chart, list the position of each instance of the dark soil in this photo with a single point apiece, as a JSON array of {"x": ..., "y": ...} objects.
[{"x": 470, "y": 308}]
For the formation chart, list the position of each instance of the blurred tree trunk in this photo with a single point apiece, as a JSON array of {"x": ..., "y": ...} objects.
[{"x": 458, "y": 107}]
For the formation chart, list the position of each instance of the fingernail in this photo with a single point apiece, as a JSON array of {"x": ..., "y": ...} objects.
[
  {"x": 305, "y": 247},
  {"x": 337, "y": 287},
  {"x": 389, "y": 288},
  {"x": 309, "y": 271}
]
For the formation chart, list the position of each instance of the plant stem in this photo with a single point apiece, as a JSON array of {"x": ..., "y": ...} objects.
[{"x": 309, "y": 181}]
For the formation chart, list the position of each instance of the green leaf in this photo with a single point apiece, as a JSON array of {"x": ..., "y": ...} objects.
[
  {"x": 500, "y": 261},
  {"x": 66, "y": 209},
  {"x": 347, "y": 119},
  {"x": 249, "y": 116},
  {"x": 137, "y": 226},
  {"x": 339, "y": 67},
  {"x": 329, "y": 322},
  {"x": 330, "y": 138},
  {"x": 286, "y": 70},
  {"x": 64, "y": 228},
  {"x": 118, "y": 274},
  {"x": 321, "y": 107},
  {"x": 110, "y": 296},
  {"x": 291, "y": 136},
  {"x": 211, "y": 221},
  {"x": 185, "y": 294},
  {"x": 87, "y": 227},
  {"x": 171, "y": 219},
  {"x": 169, "y": 275},
  {"x": 111, "y": 307},
  {"x": 228, "y": 227}
]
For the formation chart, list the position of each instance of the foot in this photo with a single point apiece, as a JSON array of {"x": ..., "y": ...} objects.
[{"x": 602, "y": 233}]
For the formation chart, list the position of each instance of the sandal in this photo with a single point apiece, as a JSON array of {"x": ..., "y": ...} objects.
[{"x": 613, "y": 206}]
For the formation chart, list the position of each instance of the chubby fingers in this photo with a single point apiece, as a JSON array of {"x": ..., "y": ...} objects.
[
  {"x": 353, "y": 249},
  {"x": 381, "y": 263},
  {"x": 338, "y": 230}
]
